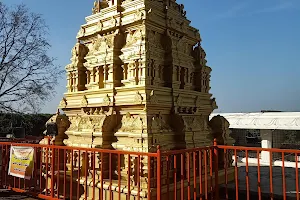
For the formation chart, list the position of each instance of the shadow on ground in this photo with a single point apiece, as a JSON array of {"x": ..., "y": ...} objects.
[
  {"x": 10, "y": 195},
  {"x": 250, "y": 176}
]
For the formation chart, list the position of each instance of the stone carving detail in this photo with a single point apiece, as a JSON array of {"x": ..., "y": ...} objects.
[
  {"x": 85, "y": 124},
  {"x": 79, "y": 51},
  {"x": 98, "y": 5},
  {"x": 194, "y": 123},
  {"x": 133, "y": 36},
  {"x": 62, "y": 123},
  {"x": 179, "y": 100},
  {"x": 198, "y": 102},
  {"x": 188, "y": 122},
  {"x": 84, "y": 101},
  {"x": 81, "y": 33},
  {"x": 213, "y": 103},
  {"x": 154, "y": 39},
  {"x": 139, "y": 15},
  {"x": 91, "y": 123},
  {"x": 182, "y": 45},
  {"x": 63, "y": 103},
  {"x": 74, "y": 123},
  {"x": 199, "y": 123},
  {"x": 158, "y": 123},
  {"x": 199, "y": 55},
  {"x": 106, "y": 100},
  {"x": 102, "y": 43},
  {"x": 99, "y": 26},
  {"x": 131, "y": 123},
  {"x": 138, "y": 98},
  {"x": 153, "y": 97}
]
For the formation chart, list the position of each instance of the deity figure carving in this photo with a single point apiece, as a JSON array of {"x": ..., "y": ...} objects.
[
  {"x": 199, "y": 55},
  {"x": 98, "y": 5},
  {"x": 79, "y": 51}
]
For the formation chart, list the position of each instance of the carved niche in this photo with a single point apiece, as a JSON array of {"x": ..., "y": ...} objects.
[
  {"x": 133, "y": 37},
  {"x": 102, "y": 43},
  {"x": 91, "y": 123},
  {"x": 79, "y": 51},
  {"x": 159, "y": 123},
  {"x": 85, "y": 124},
  {"x": 74, "y": 123},
  {"x": 132, "y": 123},
  {"x": 194, "y": 123}
]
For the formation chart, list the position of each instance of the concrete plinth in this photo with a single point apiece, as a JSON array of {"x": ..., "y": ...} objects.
[{"x": 266, "y": 142}]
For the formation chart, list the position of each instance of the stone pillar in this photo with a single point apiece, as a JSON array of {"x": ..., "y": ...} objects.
[
  {"x": 109, "y": 76},
  {"x": 156, "y": 74},
  {"x": 132, "y": 76},
  {"x": 176, "y": 78},
  {"x": 69, "y": 81},
  {"x": 88, "y": 77},
  {"x": 142, "y": 72},
  {"x": 266, "y": 142}
]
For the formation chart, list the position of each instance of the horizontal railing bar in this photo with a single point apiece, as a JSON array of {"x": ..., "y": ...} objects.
[
  {"x": 195, "y": 170},
  {"x": 133, "y": 153},
  {"x": 274, "y": 150},
  {"x": 180, "y": 151}
]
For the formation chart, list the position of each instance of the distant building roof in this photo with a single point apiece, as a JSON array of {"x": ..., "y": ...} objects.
[{"x": 263, "y": 120}]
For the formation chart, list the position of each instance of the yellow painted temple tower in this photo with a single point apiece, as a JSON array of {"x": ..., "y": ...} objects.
[{"x": 138, "y": 78}]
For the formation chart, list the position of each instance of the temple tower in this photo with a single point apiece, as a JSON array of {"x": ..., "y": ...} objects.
[{"x": 138, "y": 78}]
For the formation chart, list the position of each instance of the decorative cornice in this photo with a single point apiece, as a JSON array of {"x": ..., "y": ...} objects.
[{"x": 280, "y": 120}]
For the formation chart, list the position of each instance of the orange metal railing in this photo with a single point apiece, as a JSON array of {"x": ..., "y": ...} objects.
[
  {"x": 268, "y": 177},
  {"x": 62, "y": 172},
  {"x": 215, "y": 172}
]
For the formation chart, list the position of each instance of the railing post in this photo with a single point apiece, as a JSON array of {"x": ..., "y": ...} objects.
[
  {"x": 216, "y": 166},
  {"x": 158, "y": 169}
]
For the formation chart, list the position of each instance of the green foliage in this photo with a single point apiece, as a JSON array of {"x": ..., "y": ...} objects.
[{"x": 34, "y": 124}]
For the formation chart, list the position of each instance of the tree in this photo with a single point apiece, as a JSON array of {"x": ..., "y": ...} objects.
[{"x": 28, "y": 75}]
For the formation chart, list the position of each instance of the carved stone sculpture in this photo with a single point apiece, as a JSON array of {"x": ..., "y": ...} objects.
[{"x": 220, "y": 132}]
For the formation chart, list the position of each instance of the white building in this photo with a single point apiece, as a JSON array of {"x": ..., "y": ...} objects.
[{"x": 265, "y": 129}]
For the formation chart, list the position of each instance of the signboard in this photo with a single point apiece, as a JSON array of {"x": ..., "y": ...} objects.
[{"x": 21, "y": 162}]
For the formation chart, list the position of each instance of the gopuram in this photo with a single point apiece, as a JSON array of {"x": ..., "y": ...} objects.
[{"x": 138, "y": 78}]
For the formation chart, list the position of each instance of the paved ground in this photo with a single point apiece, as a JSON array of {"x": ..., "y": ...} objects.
[
  {"x": 14, "y": 196},
  {"x": 290, "y": 180}
]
